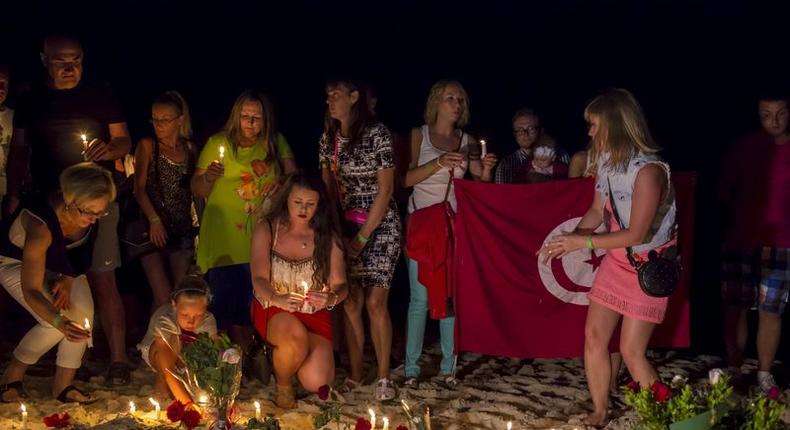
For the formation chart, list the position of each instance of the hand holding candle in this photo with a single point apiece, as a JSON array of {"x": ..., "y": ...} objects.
[{"x": 483, "y": 150}]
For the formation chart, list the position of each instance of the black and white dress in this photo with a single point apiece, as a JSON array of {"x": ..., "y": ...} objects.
[{"x": 357, "y": 176}]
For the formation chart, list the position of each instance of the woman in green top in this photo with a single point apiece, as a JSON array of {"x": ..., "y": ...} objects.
[{"x": 236, "y": 173}]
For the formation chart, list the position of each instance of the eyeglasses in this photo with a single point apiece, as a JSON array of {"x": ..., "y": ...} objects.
[
  {"x": 87, "y": 213},
  {"x": 526, "y": 130},
  {"x": 164, "y": 121}
]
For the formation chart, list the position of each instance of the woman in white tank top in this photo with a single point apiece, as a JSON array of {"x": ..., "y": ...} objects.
[{"x": 438, "y": 148}]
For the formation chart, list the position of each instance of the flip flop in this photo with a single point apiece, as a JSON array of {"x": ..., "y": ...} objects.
[
  {"x": 16, "y": 385},
  {"x": 63, "y": 397}
]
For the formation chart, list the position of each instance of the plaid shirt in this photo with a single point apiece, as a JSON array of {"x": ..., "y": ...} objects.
[{"x": 512, "y": 164}]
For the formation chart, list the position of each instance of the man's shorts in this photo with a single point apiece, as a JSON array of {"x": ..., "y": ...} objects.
[
  {"x": 106, "y": 251},
  {"x": 757, "y": 278}
]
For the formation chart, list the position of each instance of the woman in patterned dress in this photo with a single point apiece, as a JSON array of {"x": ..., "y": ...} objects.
[
  {"x": 164, "y": 166},
  {"x": 356, "y": 158}
]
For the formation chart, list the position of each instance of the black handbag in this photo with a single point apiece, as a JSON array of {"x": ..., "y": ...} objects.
[
  {"x": 134, "y": 233},
  {"x": 659, "y": 276}
]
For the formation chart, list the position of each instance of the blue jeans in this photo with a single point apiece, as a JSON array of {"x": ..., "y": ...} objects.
[{"x": 415, "y": 330}]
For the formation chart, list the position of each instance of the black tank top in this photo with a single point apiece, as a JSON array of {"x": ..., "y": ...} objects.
[{"x": 72, "y": 261}]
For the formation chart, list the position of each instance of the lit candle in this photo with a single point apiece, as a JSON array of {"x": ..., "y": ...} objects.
[
  {"x": 157, "y": 409},
  {"x": 427, "y": 418},
  {"x": 203, "y": 400},
  {"x": 257, "y": 410},
  {"x": 132, "y": 408},
  {"x": 84, "y": 140},
  {"x": 24, "y": 416},
  {"x": 483, "y": 150},
  {"x": 509, "y": 425},
  {"x": 386, "y": 423},
  {"x": 372, "y": 419},
  {"x": 306, "y": 288},
  {"x": 221, "y": 153},
  {"x": 87, "y": 324}
]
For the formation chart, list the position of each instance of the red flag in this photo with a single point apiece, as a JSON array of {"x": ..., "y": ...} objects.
[{"x": 507, "y": 302}]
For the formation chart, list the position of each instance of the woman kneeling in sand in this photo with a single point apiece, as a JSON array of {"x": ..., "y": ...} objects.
[{"x": 298, "y": 276}]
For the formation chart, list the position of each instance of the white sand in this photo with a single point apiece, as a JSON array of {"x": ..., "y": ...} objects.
[{"x": 542, "y": 395}]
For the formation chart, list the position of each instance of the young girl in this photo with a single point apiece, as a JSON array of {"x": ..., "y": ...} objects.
[{"x": 175, "y": 323}]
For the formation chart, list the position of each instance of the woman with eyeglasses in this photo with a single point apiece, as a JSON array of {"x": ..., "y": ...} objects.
[
  {"x": 163, "y": 168},
  {"x": 46, "y": 247},
  {"x": 519, "y": 165},
  {"x": 237, "y": 172}
]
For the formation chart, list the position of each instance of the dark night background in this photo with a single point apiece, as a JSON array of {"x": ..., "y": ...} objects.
[{"x": 695, "y": 66}]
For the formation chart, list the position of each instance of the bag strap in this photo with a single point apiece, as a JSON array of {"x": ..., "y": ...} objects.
[
  {"x": 449, "y": 180},
  {"x": 628, "y": 250}
]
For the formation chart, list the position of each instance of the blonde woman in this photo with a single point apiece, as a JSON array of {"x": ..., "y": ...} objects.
[
  {"x": 629, "y": 169},
  {"x": 164, "y": 165},
  {"x": 236, "y": 172},
  {"x": 46, "y": 247},
  {"x": 439, "y": 149}
]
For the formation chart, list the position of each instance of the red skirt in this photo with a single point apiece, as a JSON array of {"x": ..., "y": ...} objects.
[{"x": 319, "y": 323}]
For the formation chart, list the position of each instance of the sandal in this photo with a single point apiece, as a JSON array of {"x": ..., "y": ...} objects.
[
  {"x": 119, "y": 374},
  {"x": 63, "y": 397},
  {"x": 285, "y": 397},
  {"x": 348, "y": 386},
  {"x": 17, "y": 386},
  {"x": 385, "y": 390}
]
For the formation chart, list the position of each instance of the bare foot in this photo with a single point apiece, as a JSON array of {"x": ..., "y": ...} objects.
[{"x": 596, "y": 419}]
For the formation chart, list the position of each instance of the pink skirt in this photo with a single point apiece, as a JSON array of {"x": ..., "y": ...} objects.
[{"x": 616, "y": 287}]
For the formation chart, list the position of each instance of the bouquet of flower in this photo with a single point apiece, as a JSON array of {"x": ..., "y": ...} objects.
[
  {"x": 214, "y": 366},
  {"x": 764, "y": 411},
  {"x": 662, "y": 405}
]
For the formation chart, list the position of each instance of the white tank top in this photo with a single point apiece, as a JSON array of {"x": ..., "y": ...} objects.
[{"x": 432, "y": 189}]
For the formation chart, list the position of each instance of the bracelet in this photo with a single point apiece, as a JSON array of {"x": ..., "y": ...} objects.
[
  {"x": 439, "y": 163},
  {"x": 56, "y": 322},
  {"x": 589, "y": 242},
  {"x": 362, "y": 239},
  {"x": 154, "y": 219},
  {"x": 334, "y": 294}
]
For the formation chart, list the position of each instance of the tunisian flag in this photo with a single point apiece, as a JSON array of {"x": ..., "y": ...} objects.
[{"x": 509, "y": 303}]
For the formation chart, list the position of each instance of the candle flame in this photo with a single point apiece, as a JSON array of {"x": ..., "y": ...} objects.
[
  {"x": 386, "y": 422},
  {"x": 84, "y": 137},
  {"x": 153, "y": 402},
  {"x": 87, "y": 324},
  {"x": 509, "y": 425},
  {"x": 221, "y": 151},
  {"x": 372, "y": 416},
  {"x": 203, "y": 399},
  {"x": 305, "y": 287},
  {"x": 132, "y": 407},
  {"x": 482, "y": 141},
  {"x": 257, "y": 405},
  {"x": 24, "y": 408}
]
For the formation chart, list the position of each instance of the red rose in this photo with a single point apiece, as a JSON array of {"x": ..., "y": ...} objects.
[
  {"x": 260, "y": 167},
  {"x": 774, "y": 393},
  {"x": 191, "y": 418},
  {"x": 633, "y": 386},
  {"x": 661, "y": 391},
  {"x": 363, "y": 424},
  {"x": 175, "y": 411},
  {"x": 57, "y": 420},
  {"x": 402, "y": 427},
  {"x": 323, "y": 392}
]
